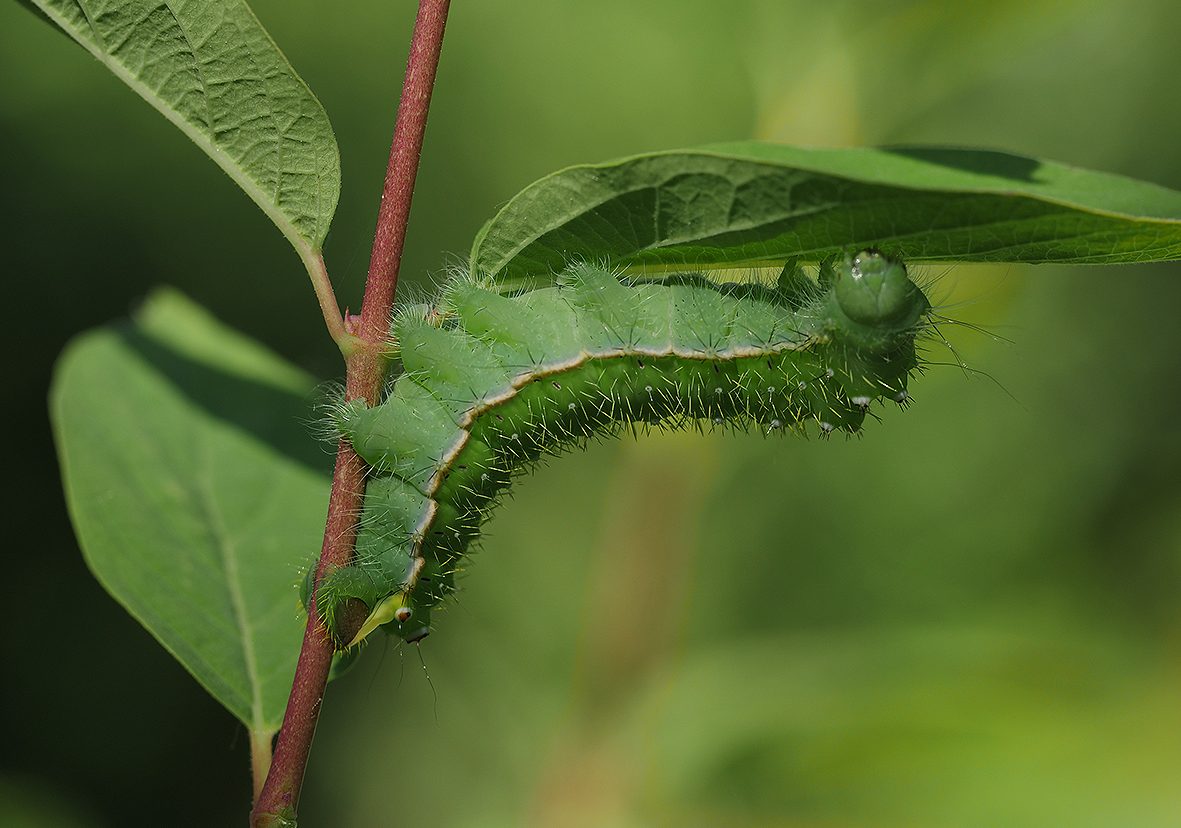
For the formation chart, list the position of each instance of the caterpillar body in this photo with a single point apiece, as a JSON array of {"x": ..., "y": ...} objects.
[{"x": 490, "y": 383}]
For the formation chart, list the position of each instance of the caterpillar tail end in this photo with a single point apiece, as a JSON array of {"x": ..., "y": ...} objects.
[
  {"x": 385, "y": 612},
  {"x": 394, "y": 608}
]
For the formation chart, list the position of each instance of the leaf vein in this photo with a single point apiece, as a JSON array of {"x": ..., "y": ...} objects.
[{"x": 229, "y": 560}]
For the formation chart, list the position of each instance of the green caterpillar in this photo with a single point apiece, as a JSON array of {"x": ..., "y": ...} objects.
[{"x": 491, "y": 383}]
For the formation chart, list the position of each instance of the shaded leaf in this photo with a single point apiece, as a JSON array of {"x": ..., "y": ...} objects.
[
  {"x": 212, "y": 70},
  {"x": 753, "y": 204},
  {"x": 197, "y": 496}
]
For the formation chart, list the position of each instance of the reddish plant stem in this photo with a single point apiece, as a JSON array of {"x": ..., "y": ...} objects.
[
  {"x": 402, "y": 170},
  {"x": 276, "y": 804}
]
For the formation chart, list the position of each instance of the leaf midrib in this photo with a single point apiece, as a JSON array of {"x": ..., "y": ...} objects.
[{"x": 228, "y": 549}]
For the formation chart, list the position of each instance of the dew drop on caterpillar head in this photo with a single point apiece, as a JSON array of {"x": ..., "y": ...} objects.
[{"x": 872, "y": 289}]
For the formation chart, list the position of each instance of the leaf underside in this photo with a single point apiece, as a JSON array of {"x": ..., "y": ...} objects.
[
  {"x": 195, "y": 493},
  {"x": 214, "y": 72},
  {"x": 752, "y": 204}
]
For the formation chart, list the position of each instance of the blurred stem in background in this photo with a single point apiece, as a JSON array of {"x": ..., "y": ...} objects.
[{"x": 633, "y": 621}]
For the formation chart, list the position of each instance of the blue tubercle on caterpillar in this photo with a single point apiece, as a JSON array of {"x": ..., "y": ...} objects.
[{"x": 491, "y": 383}]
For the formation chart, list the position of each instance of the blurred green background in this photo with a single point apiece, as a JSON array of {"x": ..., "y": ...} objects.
[{"x": 967, "y": 618}]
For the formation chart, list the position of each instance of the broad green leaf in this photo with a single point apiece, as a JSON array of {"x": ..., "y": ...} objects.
[
  {"x": 753, "y": 204},
  {"x": 196, "y": 493},
  {"x": 212, "y": 70}
]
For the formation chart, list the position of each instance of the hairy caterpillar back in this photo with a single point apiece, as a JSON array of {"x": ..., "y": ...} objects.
[{"x": 491, "y": 383}]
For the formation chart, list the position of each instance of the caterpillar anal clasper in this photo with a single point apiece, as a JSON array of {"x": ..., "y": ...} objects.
[{"x": 491, "y": 383}]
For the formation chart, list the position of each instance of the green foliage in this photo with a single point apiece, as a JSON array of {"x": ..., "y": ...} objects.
[
  {"x": 194, "y": 492},
  {"x": 970, "y": 508},
  {"x": 212, "y": 70},
  {"x": 751, "y": 204},
  {"x": 183, "y": 487}
]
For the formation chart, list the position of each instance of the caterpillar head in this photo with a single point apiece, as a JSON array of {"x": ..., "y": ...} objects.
[
  {"x": 875, "y": 291},
  {"x": 874, "y": 311}
]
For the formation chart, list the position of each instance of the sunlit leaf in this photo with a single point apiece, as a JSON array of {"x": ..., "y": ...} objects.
[
  {"x": 752, "y": 204},
  {"x": 212, "y": 70}
]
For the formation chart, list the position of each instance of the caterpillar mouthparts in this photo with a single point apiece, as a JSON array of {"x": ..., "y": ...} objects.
[{"x": 491, "y": 383}]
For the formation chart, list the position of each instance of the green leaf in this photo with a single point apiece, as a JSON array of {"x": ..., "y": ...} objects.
[
  {"x": 212, "y": 70},
  {"x": 752, "y": 204},
  {"x": 196, "y": 493}
]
